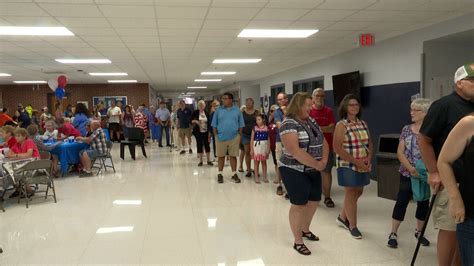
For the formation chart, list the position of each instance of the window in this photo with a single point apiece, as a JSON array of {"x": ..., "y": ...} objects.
[{"x": 308, "y": 85}]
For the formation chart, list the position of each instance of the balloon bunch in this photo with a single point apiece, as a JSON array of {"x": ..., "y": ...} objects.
[{"x": 58, "y": 85}]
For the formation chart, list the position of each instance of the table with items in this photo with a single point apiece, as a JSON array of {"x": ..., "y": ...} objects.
[{"x": 68, "y": 153}]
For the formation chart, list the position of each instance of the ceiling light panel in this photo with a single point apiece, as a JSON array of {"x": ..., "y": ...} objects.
[
  {"x": 207, "y": 80},
  {"x": 35, "y": 31},
  {"x": 5, "y": 75},
  {"x": 83, "y": 61},
  {"x": 264, "y": 33},
  {"x": 122, "y": 81},
  {"x": 210, "y": 73},
  {"x": 237, "y": 61},
  {"x": 29, "y": 81},
  {"x": 197, "y": 87}
]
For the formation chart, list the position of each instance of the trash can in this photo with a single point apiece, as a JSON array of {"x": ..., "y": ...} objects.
[{"x": 388, "y": 177}]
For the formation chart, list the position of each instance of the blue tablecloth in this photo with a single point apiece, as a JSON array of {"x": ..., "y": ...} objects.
[{"x": 68, "y": 153}]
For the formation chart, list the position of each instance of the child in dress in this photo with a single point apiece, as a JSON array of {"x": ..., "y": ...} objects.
[{"x": 260, "y": 147}]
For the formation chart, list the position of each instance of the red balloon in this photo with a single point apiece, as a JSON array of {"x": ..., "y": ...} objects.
[{"x": 62, "y": 81}]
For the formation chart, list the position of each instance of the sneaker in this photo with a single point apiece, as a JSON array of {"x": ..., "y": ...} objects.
[
  {"x": 85, "y": 174},
  {"x": 159, "y": 145},
  {"x": 190, "y": 151},
  {"x": 355, "y": 233},
  {"x": 220, "y": 178},
  {"x": 200, "y": 164},
  {"x": 279, "y": 190},
  {"x": 236, "y": 178},
  {"x": 210, "y": 163},
  {"x": 392, "y": 240},
  {"x": 182, "y": 152},
  {"x": 249, "y": 174},
  {"x": 343, "y": 223},
  {"x": 423, "y": 241}
]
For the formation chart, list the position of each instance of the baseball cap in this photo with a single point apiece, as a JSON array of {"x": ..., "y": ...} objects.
[{"x": 465, "y": 71}]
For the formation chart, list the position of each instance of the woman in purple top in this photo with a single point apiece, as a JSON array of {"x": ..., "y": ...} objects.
[{"x": 408, "y": 154}]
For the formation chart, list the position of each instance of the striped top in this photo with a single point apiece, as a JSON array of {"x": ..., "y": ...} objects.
[
  {"x": 310, "y": 139},
  {"x": 356, "y": 142}
]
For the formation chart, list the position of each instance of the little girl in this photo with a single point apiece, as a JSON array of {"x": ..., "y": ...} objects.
[{"x": 260, "y": 147}]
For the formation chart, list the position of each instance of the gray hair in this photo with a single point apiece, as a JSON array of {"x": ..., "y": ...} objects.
[
  {"x": 422, "y": 103},
  {"x": 317, "y": 90},
  {"x": 52, "y": 123}
]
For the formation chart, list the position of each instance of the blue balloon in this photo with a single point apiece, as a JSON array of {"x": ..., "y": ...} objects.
[{"x": 59, "y": 92}]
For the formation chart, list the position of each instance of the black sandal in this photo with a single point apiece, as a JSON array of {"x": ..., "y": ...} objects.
[
  {"x": 329, "y": 203},
  {"x": 302, "y": 249},
  {"x": 310, "y": 236}
]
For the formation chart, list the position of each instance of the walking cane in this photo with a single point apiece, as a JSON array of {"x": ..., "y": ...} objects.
[{"x": 422, "y": 233}]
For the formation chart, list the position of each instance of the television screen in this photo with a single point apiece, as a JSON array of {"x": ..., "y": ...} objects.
[{"x": 344, "y": 84}]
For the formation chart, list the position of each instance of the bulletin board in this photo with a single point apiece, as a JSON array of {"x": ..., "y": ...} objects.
[{"x": 106, "y": 100}]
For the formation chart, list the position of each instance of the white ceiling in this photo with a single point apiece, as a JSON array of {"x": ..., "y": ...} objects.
[{"x": 167, "y": 43}]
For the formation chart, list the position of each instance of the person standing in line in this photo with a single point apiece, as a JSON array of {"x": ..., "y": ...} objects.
[
  {"x": 353, "y": 145},
  {"x": 163, "y": 121},
  {"x": 201, "y": 131},
  {"x": 141, "y": 120},
  {"x": 260, "y": 147},
  {"x": 442, "y": 116},
  {"x": 272, "y": 132},
  {"x": 279, "y": 116},
  {"x": 305, "y": 154},
  {"x": 249, "y": 115},
  {"x": 214, "y": 106},
  {"x": 128, "y": 120},
  {"x": 114, "y": 113},
  {"x": 227, "y": 124},
  {"x": 184, "y": 126},
  {"x": 325, "y": 118},
  {"x": 152, "y": 124},
  {"x": 409, "y": 154},
  {"x": 174, "y": 127},
  {"x": 460, "y": 145},
  {"x": 241, "y": 147}
]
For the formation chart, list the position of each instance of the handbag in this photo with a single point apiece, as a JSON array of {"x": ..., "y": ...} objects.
[{"x": 419, "y": 184}]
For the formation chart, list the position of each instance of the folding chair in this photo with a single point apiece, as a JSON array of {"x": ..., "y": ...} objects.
[
  {"x": 102, "y": 159},
  {"x": 35, "y": 172}
]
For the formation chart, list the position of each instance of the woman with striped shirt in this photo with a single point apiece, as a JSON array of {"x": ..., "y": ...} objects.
[
  {"x": 353, "y": 146},
  {"x": 305, "y": 154}
]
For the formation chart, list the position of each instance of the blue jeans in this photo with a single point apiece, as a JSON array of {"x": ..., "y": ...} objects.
[
  {"x": 160, "y": 134},
  {"x": 465, "y": 235}
]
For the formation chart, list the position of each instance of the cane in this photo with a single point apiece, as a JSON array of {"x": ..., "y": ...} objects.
[{"x": 422, "y": 233}]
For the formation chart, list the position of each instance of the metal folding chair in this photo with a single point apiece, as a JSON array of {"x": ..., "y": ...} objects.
[
  {"x": 102, "y": 159},
  {"x": 35, "y": 172}
]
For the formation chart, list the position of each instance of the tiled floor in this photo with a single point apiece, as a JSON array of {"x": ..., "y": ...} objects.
[{"x": 185, "y": 217}]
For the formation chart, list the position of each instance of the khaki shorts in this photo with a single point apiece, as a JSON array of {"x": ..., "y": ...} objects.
[
  {"x": 441, "y": 217},
  {"x": 229, "y": 146},
  {"x": 278, "y": 150},
  {"x": 185, "y": 132}
]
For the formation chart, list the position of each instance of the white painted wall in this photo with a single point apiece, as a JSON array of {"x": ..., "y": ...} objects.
[
  {"x": 393, "y": 60},
  {"x": 441, "y": 61}
]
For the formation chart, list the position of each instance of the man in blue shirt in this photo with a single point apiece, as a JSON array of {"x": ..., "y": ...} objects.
[
  {"x": 227, "y": 124},
  {"x": 163, "y": 120},
  {"x": 184, "y": 126}
]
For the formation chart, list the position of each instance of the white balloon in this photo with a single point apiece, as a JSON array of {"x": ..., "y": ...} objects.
[{"x": 53, "y": 84}]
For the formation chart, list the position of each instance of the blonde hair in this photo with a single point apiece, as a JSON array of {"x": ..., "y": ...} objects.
[
  {"x": 21, "y": 131},
  {"x": 8, "y": 129},
  {"x": 296, "y": 103},
  {"x": 422, "y": 103},
  {"x": 201, "y": 102}
]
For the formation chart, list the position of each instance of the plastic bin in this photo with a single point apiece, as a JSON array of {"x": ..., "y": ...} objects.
[{"x": 388, "y": 177}]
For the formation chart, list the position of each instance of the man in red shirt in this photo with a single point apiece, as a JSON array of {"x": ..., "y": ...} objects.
[
  {"x": 66, "y": 129},
  {"x": 325, "y": 118}
]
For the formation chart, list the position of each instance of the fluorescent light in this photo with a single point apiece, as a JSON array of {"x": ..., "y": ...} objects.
[
  {"x": 218, "y": 73},
  {"x": 211, "y": 222},
  {"x": 197, "y": 87},
  {"x": 237, "y": 61},
  {"x": 190, "y": 93},
  {"x": 5, "y": 75},
  {"x": 106, "y": 230},
  {"x": 207, "y": 80},
  {"x": 30, "y": 81},
  {"x": 109, "y": 74},
  {"x": 260, "y": 33},
  {"x": 35, "y": 31},
  {"x": 122, "y": 81},
  {"x": 83, "y": 61},
  {"x": 127, "y": 202}
]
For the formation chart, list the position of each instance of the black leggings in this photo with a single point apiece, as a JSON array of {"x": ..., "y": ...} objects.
[
  {"x": 404, "y": 196},
  {"x": 202, "y": 140}
]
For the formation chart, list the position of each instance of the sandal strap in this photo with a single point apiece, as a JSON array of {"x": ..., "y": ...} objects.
[
  {"x": 310, "y": 236},
  {"x": 302, "y": 249}
]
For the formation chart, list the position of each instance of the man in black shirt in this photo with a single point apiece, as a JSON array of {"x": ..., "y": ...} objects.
[{"x": 442, "y": 116}]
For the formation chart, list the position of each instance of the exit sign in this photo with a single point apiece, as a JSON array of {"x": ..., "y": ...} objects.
[{"x": 366, "y": 39}]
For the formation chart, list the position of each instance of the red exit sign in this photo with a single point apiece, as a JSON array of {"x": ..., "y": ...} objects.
[{"x": 366, "y": 39}]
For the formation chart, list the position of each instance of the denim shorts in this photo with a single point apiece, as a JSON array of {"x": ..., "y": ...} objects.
[
  {"x": 245, "y": 139},
  {"x": 465, "y": 236},
  {"x": 91, "y": 153},
  {"x": 349, "y": 178},
  {"x": 301, "y": 187}
]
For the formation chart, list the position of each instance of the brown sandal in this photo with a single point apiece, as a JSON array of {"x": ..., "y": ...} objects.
[{"x": 302, "y": 249}]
